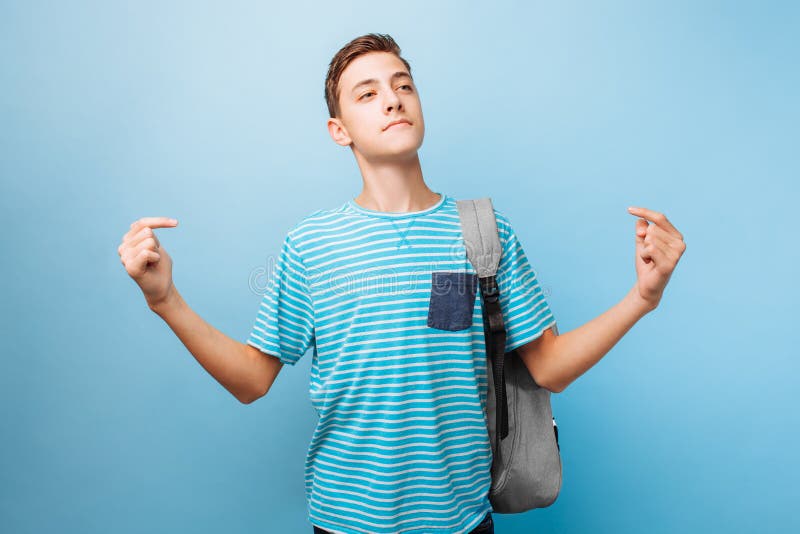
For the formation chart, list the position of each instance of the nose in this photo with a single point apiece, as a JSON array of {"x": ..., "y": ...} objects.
[{"x": 393, "y": 102}]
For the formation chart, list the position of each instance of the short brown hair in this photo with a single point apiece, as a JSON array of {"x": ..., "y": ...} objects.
[{"x": 371, "y": 42}]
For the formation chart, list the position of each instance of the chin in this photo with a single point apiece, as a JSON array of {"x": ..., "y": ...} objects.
[
  {"x": 400, "y": 151},
  {"x": 404, "y": 145}
]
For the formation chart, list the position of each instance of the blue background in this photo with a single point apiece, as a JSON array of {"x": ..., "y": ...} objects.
[{"x": 564, "y": 114}]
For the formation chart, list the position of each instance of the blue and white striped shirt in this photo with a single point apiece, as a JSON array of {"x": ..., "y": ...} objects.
[{"x": 401, "y": 444}]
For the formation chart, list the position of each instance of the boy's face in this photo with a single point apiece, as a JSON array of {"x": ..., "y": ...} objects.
[{"x": 367, "y": 109}]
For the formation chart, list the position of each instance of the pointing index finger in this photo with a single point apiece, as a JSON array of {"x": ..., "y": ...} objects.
[
  {"x": 658, "y": 218},
  {"x": 155, "y": 222}
]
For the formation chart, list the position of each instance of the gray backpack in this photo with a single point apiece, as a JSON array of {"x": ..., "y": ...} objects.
[{"x": 526, "y": 459}]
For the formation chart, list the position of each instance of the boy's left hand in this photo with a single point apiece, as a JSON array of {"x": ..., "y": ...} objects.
[{"x": 659, "y": 246}]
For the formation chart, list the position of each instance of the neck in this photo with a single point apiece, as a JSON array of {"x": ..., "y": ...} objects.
[{"x": 394, "y": 186}]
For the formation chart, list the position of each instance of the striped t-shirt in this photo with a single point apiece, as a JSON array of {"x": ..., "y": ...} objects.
[{"x": 401, "y": 444}]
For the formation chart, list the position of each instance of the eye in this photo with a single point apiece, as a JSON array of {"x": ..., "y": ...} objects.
[
  {"x": 405, "y": 86},
  {"x": 365, "y": 94}
]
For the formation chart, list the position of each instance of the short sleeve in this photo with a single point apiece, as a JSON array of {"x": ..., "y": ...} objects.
[
  {"x": 284, "y": 324},
  {"x": 526, "y": 313}
]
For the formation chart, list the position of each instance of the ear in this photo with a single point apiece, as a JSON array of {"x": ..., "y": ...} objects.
[{"x": 338, "y": 132}]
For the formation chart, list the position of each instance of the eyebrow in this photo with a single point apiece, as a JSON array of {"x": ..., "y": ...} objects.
[{"x": 398, "y": 74}]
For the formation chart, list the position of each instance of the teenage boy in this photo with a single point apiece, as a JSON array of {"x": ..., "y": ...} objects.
[{"x": 381, "y": 289}]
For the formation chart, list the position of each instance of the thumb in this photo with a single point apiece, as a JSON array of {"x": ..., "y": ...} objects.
[{"x": 641, "y": 231}]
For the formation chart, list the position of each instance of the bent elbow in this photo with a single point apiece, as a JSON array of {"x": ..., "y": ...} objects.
[
  {"x": 557, "y": 388},
  {"x": 250, "y": 398},
  {"x": 552, "y": 387}
]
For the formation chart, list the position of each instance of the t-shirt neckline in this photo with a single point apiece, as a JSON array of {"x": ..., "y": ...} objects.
[{"x": 397, "y": 214}]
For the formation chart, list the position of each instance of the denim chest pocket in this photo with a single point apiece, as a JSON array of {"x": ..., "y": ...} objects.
[{"x": 452, "y": 300}]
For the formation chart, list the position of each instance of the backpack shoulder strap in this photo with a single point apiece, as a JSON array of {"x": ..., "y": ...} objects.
[
  {"x": 482, "y": 241},
  {"x": 479, "y": 229}
]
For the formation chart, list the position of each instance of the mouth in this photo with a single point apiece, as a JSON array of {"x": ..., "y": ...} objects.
[{"x": 398, "y": 123}]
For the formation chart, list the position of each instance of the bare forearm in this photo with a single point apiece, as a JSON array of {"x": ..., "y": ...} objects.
[
  {"x": 576, "y": 351},
  {"x": 226, "y": 359}
]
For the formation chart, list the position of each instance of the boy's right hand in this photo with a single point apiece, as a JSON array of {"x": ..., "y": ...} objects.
[{"x": 146, "y": 260}]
